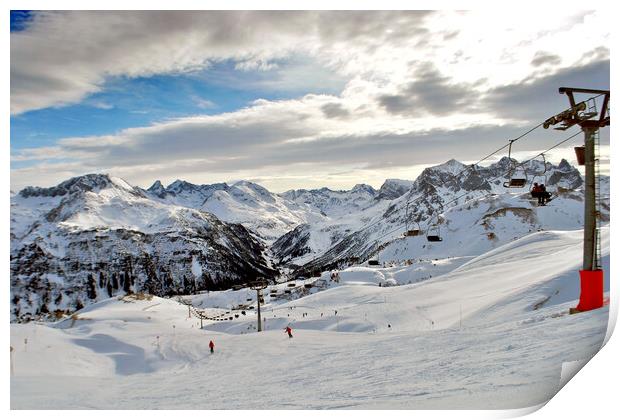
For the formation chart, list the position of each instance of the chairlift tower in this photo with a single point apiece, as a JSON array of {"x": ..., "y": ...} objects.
[
  {"x": 259, "y": 285},
  {"x": 591, "y": 275}
]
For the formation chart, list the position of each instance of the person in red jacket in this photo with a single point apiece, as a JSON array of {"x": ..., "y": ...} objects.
[
  {"x": 537, "y": 192},
  {"x": 211, "y": 346},
  {"x": 289, "y": 332}
]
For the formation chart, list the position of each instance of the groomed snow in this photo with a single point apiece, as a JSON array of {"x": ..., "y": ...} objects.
[{"x": 469, "y": 337}]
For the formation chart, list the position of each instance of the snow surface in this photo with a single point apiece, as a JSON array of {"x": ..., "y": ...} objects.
[{"x": 486, "y": 331}]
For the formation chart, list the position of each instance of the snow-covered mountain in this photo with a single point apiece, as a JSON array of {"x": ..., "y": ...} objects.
[
  {"x": 265, "y": 214},
  {"x": 393, "y": 188},
  {"x": 91, "y": 236},
  {"x": 94, "y": 236},
  {"x": 335, "y": 203},
  {"x": 465, "y": 204}
]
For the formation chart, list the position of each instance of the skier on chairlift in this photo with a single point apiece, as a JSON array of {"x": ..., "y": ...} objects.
[
  {"x": 545, "y": 196},
  {"x": 536, "y": 191}
]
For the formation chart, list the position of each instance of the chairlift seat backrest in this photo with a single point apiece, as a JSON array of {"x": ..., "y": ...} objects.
[
  {"x": 434, "y": 238},
  {"x": 516, "y": 183},
  {"x": 413, "y": 232}
]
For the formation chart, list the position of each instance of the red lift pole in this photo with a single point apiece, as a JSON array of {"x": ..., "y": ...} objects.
[{"x": 591, "y": 275}]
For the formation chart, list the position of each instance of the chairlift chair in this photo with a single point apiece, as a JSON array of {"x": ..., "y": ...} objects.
[
  {"x": 517, "y": 174},
  {"x": 434, "y": 234},
  {"x": 542, "y": 175},
  {"x": 416, "y": 231}
]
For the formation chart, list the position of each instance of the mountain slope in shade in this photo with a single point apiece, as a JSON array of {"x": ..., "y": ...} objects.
[{"x": 97, "y": 237}]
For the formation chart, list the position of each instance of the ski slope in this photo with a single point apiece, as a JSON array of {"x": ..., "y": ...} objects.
[{"x": 490, "y": 332}]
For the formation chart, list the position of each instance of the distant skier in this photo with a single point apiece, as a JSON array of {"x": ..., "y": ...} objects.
[
  {"x": 211, "y": 346},
  {"x": 289, "y": 331}
]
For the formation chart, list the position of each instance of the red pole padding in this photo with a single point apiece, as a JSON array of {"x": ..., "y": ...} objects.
[{"x": 591, "y": 290}]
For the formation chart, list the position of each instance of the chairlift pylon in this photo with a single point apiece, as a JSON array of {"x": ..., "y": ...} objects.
[{"x": 517, "y": 178}]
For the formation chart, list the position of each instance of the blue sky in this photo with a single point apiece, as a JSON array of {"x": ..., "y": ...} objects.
[
  {"x": 129, "y": 102},
  {"x": 287, "y": 99},
  {"x": 19, "y": 19}
]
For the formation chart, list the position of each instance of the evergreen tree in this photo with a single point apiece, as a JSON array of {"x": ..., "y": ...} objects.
[
  {"x": 151, "y": 284},
  {"x": 91, "y": 287},
  {"x": 114, "y": 281},
  {"x": 168, "y": 284},
  {"x": 186, "y": 286},
  {"x": 127, "y": 284}
]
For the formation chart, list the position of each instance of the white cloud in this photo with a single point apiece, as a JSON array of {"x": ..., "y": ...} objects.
[
  {"x": 470, "y": 60},
  {"x": 202, "y": 102},
  {"x": 65, "y": 56}
]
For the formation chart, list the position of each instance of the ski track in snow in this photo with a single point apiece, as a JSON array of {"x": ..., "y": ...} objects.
[{"x": 468, "y": 337}]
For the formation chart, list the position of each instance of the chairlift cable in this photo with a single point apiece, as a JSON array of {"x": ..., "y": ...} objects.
[
  {"x": 510, "y": 142},
  {"x": 489, "y": 180}
]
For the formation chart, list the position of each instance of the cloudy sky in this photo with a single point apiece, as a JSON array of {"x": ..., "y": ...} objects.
[{"x": 289, "y": 99}]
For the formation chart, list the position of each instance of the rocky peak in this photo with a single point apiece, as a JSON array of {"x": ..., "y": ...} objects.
[
  {"x": 364, "y": 189},
  {"x": 393, "y": 188},
  {"x": 89, "y": 182},
  {"x": 181, "y": 186},
  {"x": 565, "y": 166},
  {"x": 157, "y": 189}
]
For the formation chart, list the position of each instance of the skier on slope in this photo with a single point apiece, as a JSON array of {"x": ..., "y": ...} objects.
[
  {"x": 289, "y": 331},
  {"x": 211, "y": 346}
]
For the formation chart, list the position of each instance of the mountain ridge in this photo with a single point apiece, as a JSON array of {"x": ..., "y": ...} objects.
[{"x": 187, "y": 236}]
